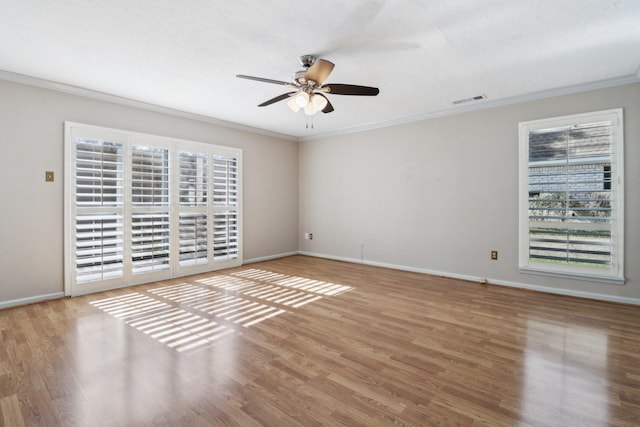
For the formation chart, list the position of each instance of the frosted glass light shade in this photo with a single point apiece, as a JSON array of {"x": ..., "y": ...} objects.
[
  {"x": 319, "y": 101},
  {"x": 316, "y": 103},
  {"x": 293, "y": 105},
  {"x": 310, "y": 109},
  {"x": 302, "y": 99}
]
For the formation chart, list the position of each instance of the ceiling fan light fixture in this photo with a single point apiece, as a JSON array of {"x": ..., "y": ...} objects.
[
  {"x": 316, "y": 103},
  {"x": 310, "y": 109},
  {"x": 319, "y": 102},
  {"x": 293, "y": 105},
  {"x": 309, "y": 89},
  {"x": 302, "y": 99}
]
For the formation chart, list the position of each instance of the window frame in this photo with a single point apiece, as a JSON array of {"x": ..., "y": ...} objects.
[
  {"x": 129, "y": 140},
  {"x": 614, "y": 274}
]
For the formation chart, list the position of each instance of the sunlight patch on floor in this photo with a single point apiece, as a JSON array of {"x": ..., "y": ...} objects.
[
  {"x": 192, "y": 316},
  {"x": 170, "y": 325}
]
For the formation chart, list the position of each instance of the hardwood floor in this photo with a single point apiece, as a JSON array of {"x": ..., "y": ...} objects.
[{"x": 302, "y": 341}]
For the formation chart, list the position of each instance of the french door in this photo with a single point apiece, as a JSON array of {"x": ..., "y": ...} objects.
[{"x": 141, "y": 208}]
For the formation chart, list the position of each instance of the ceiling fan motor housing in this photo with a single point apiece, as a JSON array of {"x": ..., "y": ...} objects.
[
  {"x": 309, "y": 87},
  {"x": 298, "y": 76},
  {"x": 307, "y": 60}
]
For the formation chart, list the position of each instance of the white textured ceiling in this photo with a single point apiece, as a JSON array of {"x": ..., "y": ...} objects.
[{"x": 422, "y": 54}]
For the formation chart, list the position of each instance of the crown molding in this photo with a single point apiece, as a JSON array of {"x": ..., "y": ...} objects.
[
  {"x": 114, "y": 99},
  {"x": 483, "y": 105},
  {"x": 87, "y": 93}
]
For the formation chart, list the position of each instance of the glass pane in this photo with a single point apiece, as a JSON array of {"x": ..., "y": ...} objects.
[
  {"x": 149, "y": 242},
  {"x": 193, "y": 239},
  {"x": 589, "y": 141},
  {"x": 567, "y": 246},
  {"x": 225, "y": 181},
  {"x": 548, "y": 145},
  {"x": 99, "y": 247},
  {"x": 570, "y": 185},
  {"x": 193, "y": 179},
  {"x": 225, "y": 235},
  {"x": 99, "y": 179},
  {"x": 149, "y": 176}
]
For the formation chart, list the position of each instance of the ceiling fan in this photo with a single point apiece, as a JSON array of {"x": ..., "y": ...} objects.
[{"x": 309, "y": 93}]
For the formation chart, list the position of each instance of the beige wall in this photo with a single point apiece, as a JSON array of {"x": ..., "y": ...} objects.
[
  {"x": 31, "y": 213},
  {"x": 435, "y": 195},
  {"x": 440, "y": 194}
]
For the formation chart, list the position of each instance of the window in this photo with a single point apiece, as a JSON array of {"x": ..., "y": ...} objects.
[
  {"x": 140, "y": 208},
  {"x": 571, "y": 196},
  {"x": 193, "y": 228},
  {"x": 98, "y": 222}
]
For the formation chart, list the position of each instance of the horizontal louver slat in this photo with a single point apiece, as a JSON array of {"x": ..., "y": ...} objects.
[
  {"x": 100, "y": 248},
  {"x": 150, "y": 242},
  {"x": 569, "y": 183},
  {"x": 225, "y": 181},
  {"x": 99, "y": 166},
  {"x": 99, "y": 251},
  {"x": 150, "y": 176},
  {"x": 193, "y": 239},
  {"x": 162, "y": 195},
  {"x": 225, "y": 235},
  {"x": 193, "y": 179}
]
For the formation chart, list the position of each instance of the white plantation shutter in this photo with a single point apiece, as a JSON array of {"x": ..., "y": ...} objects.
[
  {"x": 570, "y": 194},
  {"x": 225, "y": 235},
  {"x": 225, "y": 181},
  {"x": 140, "y": 208},
  {"x": 99, "y": 245},
  {"x": 149, "y": 242},
  {"x": 571, "y": 216},
  {"x": 193, "y": 178},
  {"x": 149, "y": 176},
  {"x": 225, "y": 202},
  {"x": 99, "y": 179},
  {"x": 194, "y": 198},
  {"x": 150, "y": 239},
  {"x": 194, "y": 247}
]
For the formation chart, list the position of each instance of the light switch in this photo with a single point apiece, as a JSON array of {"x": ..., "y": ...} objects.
[{"x": 48, "y": 176}]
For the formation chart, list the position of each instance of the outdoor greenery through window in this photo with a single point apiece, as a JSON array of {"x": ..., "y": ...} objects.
[{"x": 571, "y": 196}]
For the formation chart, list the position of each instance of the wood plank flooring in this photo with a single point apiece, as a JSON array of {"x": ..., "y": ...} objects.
[{"x": 303, "y": 341}]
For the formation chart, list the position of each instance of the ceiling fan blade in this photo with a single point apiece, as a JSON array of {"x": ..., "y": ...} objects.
[
  {"x": 342, "y": 89},
  {"x": 328, "y": 108},
  {"x": 276, "y": 99},
  {"x": 319, "y": 71},
  {"x": 261, "y": 79}
]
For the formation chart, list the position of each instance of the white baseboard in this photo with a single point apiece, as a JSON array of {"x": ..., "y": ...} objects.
[
  {"x": 30, "y": 300},
  {"x": 559, "y": 291},
  {"x": 269, "y": 257},
  {"x": 567, "y": 292},
  {"x": 546, "y": 289}
]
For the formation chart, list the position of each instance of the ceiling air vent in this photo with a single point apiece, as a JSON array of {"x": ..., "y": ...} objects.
[{"x": 472, "y": 99}]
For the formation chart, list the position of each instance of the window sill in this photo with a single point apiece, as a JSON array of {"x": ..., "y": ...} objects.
[{"x": 575, "y": 276}]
